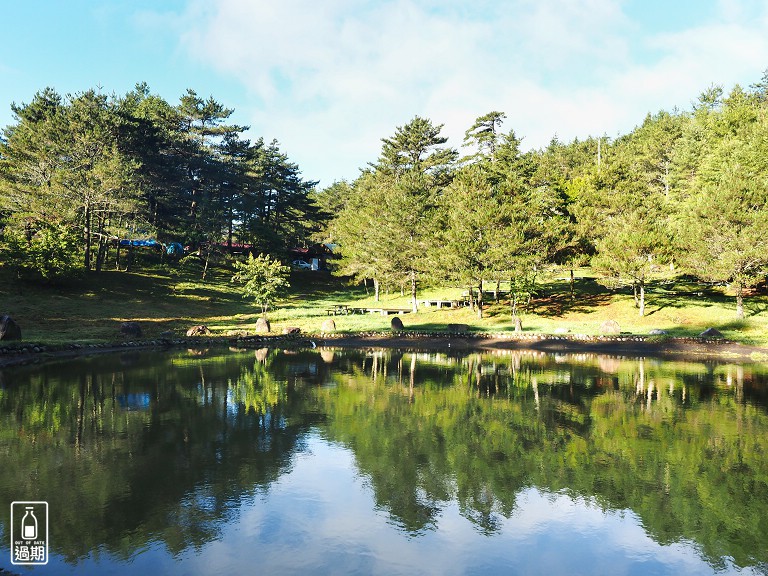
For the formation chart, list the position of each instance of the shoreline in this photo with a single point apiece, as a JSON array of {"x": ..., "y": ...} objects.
[
  {"x": 671, "y": 348},
  {"x": 668, "y": 348}
]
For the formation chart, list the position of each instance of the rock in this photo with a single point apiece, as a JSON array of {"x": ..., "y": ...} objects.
[
  {"x": 561, "y": 330},
  {"x": 9, "y": 330},
  {"x": 397, "y": 324},
  {"x": 200, "y": 330},
  {"x": 657, "y": 332},
  {"x": 328, "y": 326},
  {"x": 130, "y": 329},
  {"x": 711, "y": 333},
  {"x": 458, "y": 328},
  {"x": 291, "y": 330},
  {"x": 263, "y": 326},
  {"x": 327, "y": 356},
  {"x": 610, "y": 327},
  {"x": 518, "y": 325}
]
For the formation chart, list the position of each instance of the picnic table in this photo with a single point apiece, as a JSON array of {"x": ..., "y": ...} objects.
[
  {"x": 337, "y": 309},
  {"x": 388, "y": 311},
  {"x": 440, "y": 303},
  {"x": 342, "y": 309}
]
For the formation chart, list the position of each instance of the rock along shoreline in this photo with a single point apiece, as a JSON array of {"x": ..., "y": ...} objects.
[{"x": 623, "y": 345}]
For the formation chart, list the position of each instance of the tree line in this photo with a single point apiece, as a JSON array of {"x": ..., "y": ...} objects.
[
  {"x": 79, "y": 172},
  {"x": 685, "y": 189}
]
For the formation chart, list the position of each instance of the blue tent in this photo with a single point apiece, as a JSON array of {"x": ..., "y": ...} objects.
[
  {"x": 143, "y": 243},
  {"x": 174, "y": 249}
]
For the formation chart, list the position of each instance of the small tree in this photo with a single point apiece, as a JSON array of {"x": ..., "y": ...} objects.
[
  {"x": 631, "y": 253},
  {"x": 47, "y": 250},
  {"x": 263, "y": 279}
]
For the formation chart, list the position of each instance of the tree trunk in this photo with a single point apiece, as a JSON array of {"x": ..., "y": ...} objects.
[
  {"x": 414, "y": 302},
  {"x": 635, "y": 294},
  {"x": 498, "y": 289},
  {"x": 207, "y": 260},
  {"x": 480, "y": 300},
  {"x": 471, "y": 292},
  {"x": 740, "y": 300},
  {"x": 376, "y": 289},
  {"x": 572, "y": 284},
  {"x": 642, "y": 298},
  {"x": 230, "y": 223},
  {"x": 365, "y": 284},
  {"x": 87, "y": 218},
  {"x": 101, "y": 254}
]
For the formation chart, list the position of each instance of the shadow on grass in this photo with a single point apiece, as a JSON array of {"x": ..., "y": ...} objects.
[
  {"x": 308, "y": 287},
  {"x": 552, "y": 301}
]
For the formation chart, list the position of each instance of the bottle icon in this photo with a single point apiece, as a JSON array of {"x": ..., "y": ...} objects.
[{"x": 29, "y": 524}]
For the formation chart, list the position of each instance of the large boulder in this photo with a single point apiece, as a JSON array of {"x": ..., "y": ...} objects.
[
  {"x": 130, "y": 329},
  {"x": 291, "y": 330},
  {"x": 9, "y": 330},
  {"x": 200, "y": 330},
  {"x": 328, "y": 326},
  {"x": 711, "y": 333},
  {"x": 610, "y": 327},
  {"x": 263, "y": 326},
  {"x": 397, "y": 324}
]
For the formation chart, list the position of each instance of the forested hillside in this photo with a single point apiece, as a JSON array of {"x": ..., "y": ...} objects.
[
  {"x": 686, "y": 191},
  {"x": 79, "y": 172}
]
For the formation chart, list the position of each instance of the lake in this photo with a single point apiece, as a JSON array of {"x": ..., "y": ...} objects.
[{"x": 387, "y": 462}]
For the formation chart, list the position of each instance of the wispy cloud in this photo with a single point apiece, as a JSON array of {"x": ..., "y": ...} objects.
[{"x": 330, "y": 79}]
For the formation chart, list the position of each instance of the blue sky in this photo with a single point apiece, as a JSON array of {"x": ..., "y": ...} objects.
[{"x": 329, "y": 79}]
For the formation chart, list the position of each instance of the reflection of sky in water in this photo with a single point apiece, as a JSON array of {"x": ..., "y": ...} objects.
[{"x": 320, "y": 518}]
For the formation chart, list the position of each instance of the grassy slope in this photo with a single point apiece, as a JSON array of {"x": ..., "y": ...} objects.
[{"x": 90, "y": 310}]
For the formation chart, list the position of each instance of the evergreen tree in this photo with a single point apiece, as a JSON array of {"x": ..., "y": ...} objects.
[
  {"x": 474, "y": 231},
  {"x": 484, "y": 135},
  {"x": 723, "y": 230}
]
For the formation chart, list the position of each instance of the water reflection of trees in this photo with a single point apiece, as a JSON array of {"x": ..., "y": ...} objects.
[
  {"x": 162, "y": 448},
  {"x": 682, "y": 445},
  {"x": 120, "y": 472}
]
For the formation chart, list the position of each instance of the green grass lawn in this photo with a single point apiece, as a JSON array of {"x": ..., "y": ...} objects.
[{"x": 90, "y": 310}]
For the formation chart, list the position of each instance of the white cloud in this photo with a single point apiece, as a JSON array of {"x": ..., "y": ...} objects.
[{"x": 330, "y": 79}]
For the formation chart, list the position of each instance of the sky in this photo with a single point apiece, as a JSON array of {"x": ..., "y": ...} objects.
[{"x": 328, "y": 80}]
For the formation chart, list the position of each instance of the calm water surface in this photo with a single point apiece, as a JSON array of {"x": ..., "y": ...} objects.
[{"x": 354, "y": 462}]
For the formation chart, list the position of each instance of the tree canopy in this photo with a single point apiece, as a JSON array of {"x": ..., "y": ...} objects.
[
  {"x": 684, "y": 189},
  {"x": 107, "y": 167}
]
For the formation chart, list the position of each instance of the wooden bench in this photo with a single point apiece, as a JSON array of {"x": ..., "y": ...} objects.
[
  {"x": 388, "y": 311},
  {"x": 440, "y": 303},
  {"x": 338, "y": 309}
]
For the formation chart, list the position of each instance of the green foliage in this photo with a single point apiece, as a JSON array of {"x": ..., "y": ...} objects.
[
  {"x": 417, "y": 147},
  {"x": 724, "y": 228},
  {"x": 136, "y": 166},
  {"x": 484, "y": 135},
  {"x": 263, "y": 279},
  {"x": 50, "y": 252}
]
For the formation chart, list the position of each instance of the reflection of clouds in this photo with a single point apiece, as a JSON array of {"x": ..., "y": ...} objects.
[{"x": 321, "y": 518}]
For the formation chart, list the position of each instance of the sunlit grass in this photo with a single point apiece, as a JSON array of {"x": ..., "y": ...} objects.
[{"x": 168, "y": 299}]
